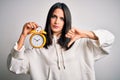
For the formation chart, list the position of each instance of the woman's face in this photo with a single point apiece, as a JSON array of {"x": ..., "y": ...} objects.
[{"x": 57, "y": 21}]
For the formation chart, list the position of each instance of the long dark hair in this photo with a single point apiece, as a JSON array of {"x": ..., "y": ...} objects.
[{"x": 62, "y": 41}]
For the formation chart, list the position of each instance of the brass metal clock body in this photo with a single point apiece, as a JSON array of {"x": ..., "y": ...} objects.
[{"x": 37, "y": 39}]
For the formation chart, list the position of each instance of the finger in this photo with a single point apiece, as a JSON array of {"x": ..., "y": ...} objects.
[
  {"x": 28, "y": 25},
  {"x": 71, "y": 41},
  {"x": 71, "y": 31},
  {"x": 69, "y": 35},
  {"x": 35, "y": 25},
  {"x": 32, "y": 25}
]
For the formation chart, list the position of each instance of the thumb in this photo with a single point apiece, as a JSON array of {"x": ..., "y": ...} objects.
[{"x": 71, "y": 41}]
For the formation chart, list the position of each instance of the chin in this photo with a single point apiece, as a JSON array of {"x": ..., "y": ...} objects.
[{"x": 56, "y": 31}]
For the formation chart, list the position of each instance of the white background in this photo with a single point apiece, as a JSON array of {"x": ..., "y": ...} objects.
[{"x": 86, "y": 14}]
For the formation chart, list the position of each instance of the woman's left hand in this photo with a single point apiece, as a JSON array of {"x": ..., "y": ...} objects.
[{"x": 75, "y": 34}]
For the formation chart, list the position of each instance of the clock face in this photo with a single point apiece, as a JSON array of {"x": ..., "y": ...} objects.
[{"x": 37, "y": 40}]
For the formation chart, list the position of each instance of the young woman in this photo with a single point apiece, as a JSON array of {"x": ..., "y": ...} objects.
[{"x": 69, "y": 53}]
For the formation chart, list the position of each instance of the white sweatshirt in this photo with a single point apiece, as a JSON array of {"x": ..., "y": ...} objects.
[{"x": 55, "y": 63}]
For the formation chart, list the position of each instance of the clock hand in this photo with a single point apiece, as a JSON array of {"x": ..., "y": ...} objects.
[
  {"x": 35, "y": 39},
  {"x": 38, "y": 39}
]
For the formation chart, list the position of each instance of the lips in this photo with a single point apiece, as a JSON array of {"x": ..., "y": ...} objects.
[{"x": 56, "y": 27}]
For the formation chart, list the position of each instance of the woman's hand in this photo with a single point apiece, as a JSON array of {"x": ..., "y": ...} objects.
[
  {"x": 75, "y": 34},
  {"x": 28, "y": 27},
  {"x": 26, "y": 30}
]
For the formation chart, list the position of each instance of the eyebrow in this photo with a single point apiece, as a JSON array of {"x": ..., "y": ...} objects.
[{"x": 54, "y": 15}]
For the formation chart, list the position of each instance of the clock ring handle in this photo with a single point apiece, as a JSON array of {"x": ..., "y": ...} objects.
[{"x": 39, "y": 28}]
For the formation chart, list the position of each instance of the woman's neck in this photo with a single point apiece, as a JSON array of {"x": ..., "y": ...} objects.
[{"x": 57, "y": 35}]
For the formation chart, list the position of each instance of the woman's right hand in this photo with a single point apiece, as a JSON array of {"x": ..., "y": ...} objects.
[{"x": 27, "y": 28}]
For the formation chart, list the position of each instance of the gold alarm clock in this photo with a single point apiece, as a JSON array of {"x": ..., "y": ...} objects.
[{"x": 37, "y": 39}]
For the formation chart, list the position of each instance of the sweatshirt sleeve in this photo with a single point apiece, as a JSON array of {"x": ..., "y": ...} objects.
[
  {"x": 18, "y": 62},
  {"x": 102, "y": 46}
]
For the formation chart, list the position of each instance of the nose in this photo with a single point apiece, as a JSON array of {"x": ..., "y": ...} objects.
[{"x": 56, "y": 21}]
